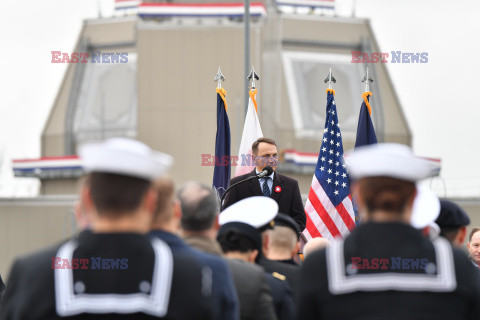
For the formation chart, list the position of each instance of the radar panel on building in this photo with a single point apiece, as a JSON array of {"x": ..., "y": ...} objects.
[
  {"x": 305, "y": 73},
  {"x": 107, "y": 104}
]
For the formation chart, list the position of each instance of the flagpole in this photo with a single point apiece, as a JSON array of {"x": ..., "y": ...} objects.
[
  {"x": 251, "y": 130},
  {"x": 367, "y": 79},
  {"x": 221, "y": 173},
  {"x": 247, "y": 49},
  {"x": 330, "y": 180}
]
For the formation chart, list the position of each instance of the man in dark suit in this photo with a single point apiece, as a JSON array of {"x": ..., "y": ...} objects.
[{"x": 282, "y": 189}]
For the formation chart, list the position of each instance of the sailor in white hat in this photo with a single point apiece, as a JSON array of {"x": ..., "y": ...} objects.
[
  {"x": 257, "y": 212},
  {"x": 114, "y": 270},
  {"x": 124, "y": 156},
  {"x": 425, "y": 210},
  {"x": 262, "y": 214},
  {"x": 240, "y": 238},
  {"x": 249, "y": 215},
  {"x": 386, "y": 268}
]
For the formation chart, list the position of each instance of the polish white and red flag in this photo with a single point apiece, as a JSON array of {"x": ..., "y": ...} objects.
[
  {"x": 251, "y": 132},
  {"x": 329, "y": 207}
]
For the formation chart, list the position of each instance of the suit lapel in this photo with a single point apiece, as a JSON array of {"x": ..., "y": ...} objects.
[
  {"x": 277, "y": 182},
  {"x": 255, "y": 185}
]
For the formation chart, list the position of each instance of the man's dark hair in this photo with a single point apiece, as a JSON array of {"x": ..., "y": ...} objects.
[
  {"x": 198, "y": 212},
  {"x": 259, "y": 140},
  {"x": 449, "y": 233},
  {"x": 116, "y": 194},
  {"x": 235, "y": 240},
  {"x": 474, "y": 230}
]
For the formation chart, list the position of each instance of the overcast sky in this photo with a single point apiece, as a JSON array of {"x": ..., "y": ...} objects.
[{"x": 440, "y": 98}]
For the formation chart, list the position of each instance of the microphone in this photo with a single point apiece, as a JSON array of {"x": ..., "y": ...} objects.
[{"x": 266, "y": 172}]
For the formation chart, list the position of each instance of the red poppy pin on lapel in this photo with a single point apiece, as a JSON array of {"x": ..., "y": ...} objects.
[{"x": 278, "y": 189}]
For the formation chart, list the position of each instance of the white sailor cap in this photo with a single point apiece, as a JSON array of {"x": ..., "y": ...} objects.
[
  {"x": 257, "y": 212},
  {"x": 126, "y": 157},
  {"x": 426, "y": 208},
  {"x": 389, "y": 160}
]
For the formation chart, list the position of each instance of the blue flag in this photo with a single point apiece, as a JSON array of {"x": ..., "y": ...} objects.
[
  {"x": 221, "y": 173},
  {"x": 365, "y": 131},
  {"x": 365, "y": 135}
]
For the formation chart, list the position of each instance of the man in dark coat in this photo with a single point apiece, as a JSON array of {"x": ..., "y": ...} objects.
[
  {"x": 166, "y": 225},
  {"x": 240, "y": 239},
  {"x": 199, "y": 227},
  {"x": 453, "y": 222},
  {"x": 113, "y": 270},
  {"x": 2, "y": 286},
  {"x": 282, "y": 189},
  {"x": 280, "y": 245}
]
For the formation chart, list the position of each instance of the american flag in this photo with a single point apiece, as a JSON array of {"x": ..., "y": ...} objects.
[{"x": 329, "y": 205}]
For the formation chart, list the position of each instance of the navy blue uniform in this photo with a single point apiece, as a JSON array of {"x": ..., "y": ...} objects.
[
  {"x": 282, "y": 297},
  {"x": 288, "y": 268},
  {"x": 224, "y": 296},
  {"x": 388, "y": 271},
  {"x": 107, "y": 276}
]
